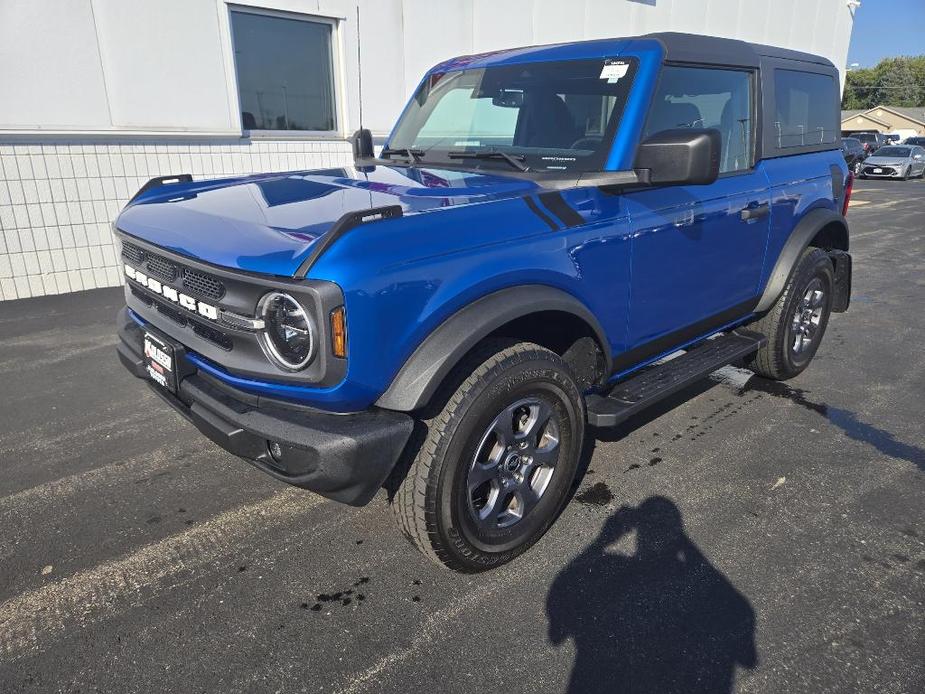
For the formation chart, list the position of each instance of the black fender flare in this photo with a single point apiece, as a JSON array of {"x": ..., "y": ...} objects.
[
  {"x": 445, "y": 346},
  {"x": 801, "y": 236}
]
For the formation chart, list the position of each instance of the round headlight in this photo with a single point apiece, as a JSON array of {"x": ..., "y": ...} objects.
[{"x": 287, "y": 336}]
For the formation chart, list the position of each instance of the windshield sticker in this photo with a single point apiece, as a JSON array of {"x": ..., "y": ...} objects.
[
  {"x": 613, "y": 70},
  {"x": 468, "y": 143}
]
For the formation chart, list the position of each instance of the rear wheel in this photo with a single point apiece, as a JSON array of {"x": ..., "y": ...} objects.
[
  {"x": 856, "y": 169},
  {"x": 796, "y": 323},
  {"x": 497, "y": 461}
]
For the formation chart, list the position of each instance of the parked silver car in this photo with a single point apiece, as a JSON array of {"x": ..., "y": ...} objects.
[{"x": 895, "y": 161}]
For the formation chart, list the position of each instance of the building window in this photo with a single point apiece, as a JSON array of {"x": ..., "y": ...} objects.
[
  {"x": 807, "y": 108},
  {"x": 285, "y": 72}
]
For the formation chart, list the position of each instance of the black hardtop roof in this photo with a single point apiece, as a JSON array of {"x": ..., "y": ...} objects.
[{"x": 694, "y": 48}]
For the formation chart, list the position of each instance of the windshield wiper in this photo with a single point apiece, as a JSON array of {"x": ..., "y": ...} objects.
[
  {"x": 411, "y": 155},
  {"x": 515, "y": 160}
]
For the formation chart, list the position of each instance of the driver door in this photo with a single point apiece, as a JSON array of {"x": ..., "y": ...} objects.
[{"x": 698, "y": 251}]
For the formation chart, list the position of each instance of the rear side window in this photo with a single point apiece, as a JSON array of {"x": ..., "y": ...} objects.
[
  {"x": 806, "y": 109},
  {"x": 695, "y": 97}
]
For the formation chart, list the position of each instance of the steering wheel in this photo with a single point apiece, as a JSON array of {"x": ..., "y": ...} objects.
[{"x": 592, "y": 140}]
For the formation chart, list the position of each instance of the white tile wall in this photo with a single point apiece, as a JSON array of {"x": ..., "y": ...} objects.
[{"x": 58, "y": 200}]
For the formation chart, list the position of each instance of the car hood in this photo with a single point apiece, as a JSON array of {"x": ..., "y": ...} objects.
[
  {"x": 885, "y": 161},
  {"x": 269, "y": 223}
]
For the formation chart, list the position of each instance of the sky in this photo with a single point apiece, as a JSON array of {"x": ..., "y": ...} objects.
[{"x": 886, "y": 29}]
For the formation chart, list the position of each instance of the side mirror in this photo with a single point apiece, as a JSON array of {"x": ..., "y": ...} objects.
[
  {"x": 362, "y": 144},
  {"x": 687, "y": 156}
]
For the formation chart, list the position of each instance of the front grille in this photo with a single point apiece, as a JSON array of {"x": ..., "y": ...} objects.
[
  {"x": 161, "y": 268},
  {"x": 138, "y": 294},
  {"x": 173, "y": 314},
  {"x": 166, "y": 270},
  {"x": 207, "y": 332},
  {"x": 884, "y": 170},
  {"x": 132, "y": 252},
  {"x": 203, "y": 284}
]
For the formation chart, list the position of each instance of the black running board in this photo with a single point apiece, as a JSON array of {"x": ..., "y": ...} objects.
[{"x": 666, "y": 378}]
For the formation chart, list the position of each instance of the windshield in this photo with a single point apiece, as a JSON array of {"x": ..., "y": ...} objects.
[
  {"x": 892, "y": 152},
  {"x": 548, "y": 116}
]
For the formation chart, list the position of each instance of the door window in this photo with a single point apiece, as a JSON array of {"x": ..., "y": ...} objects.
[{"x": 694, "y": 97}]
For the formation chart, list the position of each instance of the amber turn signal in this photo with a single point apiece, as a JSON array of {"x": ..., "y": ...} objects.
[{"x": 338, "y": 333}]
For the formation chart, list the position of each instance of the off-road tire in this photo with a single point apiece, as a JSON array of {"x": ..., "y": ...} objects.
[
  {"x": 777, "y": 359},
  {"x": 431, "y": 501}
]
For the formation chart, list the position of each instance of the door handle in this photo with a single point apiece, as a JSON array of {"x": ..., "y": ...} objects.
[{"x": 755, "y": 212}]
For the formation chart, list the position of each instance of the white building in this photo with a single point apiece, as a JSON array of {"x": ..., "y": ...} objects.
[{"x": 98, "y": 96}]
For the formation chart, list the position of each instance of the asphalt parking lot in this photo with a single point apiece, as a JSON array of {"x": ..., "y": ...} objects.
[{"x": 748, "y": 536}]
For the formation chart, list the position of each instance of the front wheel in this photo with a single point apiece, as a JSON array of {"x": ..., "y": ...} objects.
[
  {"x": 796, "y": 323},
  {"x": 857, "y": 168},
  {"x": 495, "y": 465}
]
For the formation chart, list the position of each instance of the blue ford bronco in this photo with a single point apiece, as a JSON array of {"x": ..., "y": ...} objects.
[{"x": 540, "y": 230}]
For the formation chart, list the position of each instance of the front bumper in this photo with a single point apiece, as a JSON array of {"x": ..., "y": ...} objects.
[
  {"x": 885, "y": 171},
  {"x": 346, "y": 458}
]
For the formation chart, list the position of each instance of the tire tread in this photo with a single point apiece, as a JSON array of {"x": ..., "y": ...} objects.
[
  {"x": 412, "y": 502},
  {"x": 768, "y": 361}
]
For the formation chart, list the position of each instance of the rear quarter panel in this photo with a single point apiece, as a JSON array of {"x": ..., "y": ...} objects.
[{"x": 798, "y": 185}]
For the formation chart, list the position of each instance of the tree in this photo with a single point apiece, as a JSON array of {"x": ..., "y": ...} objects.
[{"x": 893, "y": 82}]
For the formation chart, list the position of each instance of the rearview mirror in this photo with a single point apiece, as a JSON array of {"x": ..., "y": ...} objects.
[
  {"x": 687, "y": 156},
  {"x": 508, "y": 99},
  {"x": 362, "y": 144}
]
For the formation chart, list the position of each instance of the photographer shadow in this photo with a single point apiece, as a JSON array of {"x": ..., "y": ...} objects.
[{"x": 662, "y": 619}]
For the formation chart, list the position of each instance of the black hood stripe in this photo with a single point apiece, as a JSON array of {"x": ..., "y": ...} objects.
[
  {"x": 539, "y": 213},
  {"x": 556, "y": 204}
]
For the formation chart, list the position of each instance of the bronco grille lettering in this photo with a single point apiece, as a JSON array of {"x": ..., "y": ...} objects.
[{"x": 185, "y": 300}]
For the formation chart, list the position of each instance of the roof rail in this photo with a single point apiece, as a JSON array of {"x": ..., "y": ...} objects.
[
  {"x": 162, "y": 180},
  {"x": 344, "y": 224}
]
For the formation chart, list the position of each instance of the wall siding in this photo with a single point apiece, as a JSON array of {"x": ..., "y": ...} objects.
[{"x": 58, "y": 201}]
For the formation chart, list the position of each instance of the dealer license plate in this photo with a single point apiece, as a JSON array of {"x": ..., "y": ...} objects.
[
  {"x": 878, "y": 170},
  {"x": 160, "y": 362}
]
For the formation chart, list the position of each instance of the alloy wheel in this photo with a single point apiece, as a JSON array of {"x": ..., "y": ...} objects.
[
  {"x": 513, "y": 464},
  {"x": 807, "y": 317}
]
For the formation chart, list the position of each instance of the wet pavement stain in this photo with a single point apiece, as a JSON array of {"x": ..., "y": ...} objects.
[
  {"x": 634, "y": 466},
  {"x": 598, "y": 494},
  {"x": 344, "y": 597},
  {"x": 847, "y": 421},
  {"x": 654, "y": 461}
]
